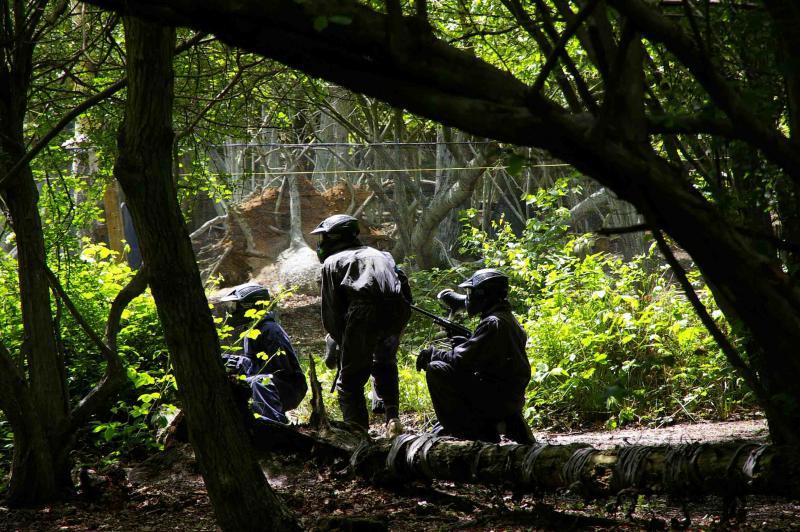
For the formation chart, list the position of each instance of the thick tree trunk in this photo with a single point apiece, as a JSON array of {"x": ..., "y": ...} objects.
[
  {"x": 33, "y": 478},
  {"x": 241, "y": 497}
]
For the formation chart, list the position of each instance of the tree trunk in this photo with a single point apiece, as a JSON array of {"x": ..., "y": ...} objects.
[
  {"x": 441, "y": 205},
  {"x": 114, "y": 222},
  {"x": 33, "y": 478},
  {"x": 36, "y": 475},
  {"x": 241, "y": 497}
]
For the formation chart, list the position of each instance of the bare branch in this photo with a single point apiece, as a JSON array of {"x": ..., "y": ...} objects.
[
  {"x": 608, "y": 231},
  {"x": 115, "y": 377},
  {"x": 110, "y": 356},
  {"x": 691, "y": 125},
  {"x": 61, "y": 124},
  {"x": 731, "y": 354},
  {"x": 526, "y": 22},
  {"x": 657, "y": 28},
  {"x": 135, "y": 287},
  {"x": 77, "y": 111}
]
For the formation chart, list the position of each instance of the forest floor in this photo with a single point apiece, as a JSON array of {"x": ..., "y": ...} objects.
[{"x": 166, "y": 491}]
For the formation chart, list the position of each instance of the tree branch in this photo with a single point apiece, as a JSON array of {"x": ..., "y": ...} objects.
[
  {"x": 731, "y": 354},
  {"x": 115, "y": 377},
  {"x": 750, "y": 126},
  {"x": 524, "y": 20},
  {"x": 558, "y": 48},
  {"x": 666, "y": 124},
  {"x": 76, "y": 112},
  {"x": 608, "y": 231},
  {"x": 61, "y": 124},
  {"x": 110, "y": 356}
]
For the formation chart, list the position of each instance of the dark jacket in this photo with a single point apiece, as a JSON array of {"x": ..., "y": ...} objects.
[
  {"x": 494, "y": 354},
  {"x": 281, "y": 361},
  {"x": 361, "y": 275}
]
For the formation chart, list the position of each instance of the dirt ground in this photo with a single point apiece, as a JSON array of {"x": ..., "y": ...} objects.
[{"x": 166, "y": 492}]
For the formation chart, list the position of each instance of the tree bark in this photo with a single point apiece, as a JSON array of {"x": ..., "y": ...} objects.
[
  {"x": 441, "y": 205},
  {"x": 730, "y": 468},
  {"x": 240, "y": 495},
  {"x": 33, "y": 478},
  {"x": 39, "y": 471}
]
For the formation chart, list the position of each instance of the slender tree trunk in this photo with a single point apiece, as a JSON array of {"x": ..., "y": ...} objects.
[
  {"x": 47, "y": 386},
  {"x": 35, "y": 476},
  {"x": 241, "y": 497}
]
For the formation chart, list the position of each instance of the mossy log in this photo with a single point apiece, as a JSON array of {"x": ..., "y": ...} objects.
[{"x": 730, "y": 468}]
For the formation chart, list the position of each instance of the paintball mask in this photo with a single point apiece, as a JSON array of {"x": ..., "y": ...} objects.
[
  {"x": 240, "y": 299},
  {"x": 484, "y": 289},
  {"x": 336, "y": 233}
]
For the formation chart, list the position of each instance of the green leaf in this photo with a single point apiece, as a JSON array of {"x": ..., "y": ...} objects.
[
  {"x": 342, "y": 20},
  {"x": 515, "y": 164},
  {"x": 320, "y": 23},
  {"x": 251, "y": 334}
]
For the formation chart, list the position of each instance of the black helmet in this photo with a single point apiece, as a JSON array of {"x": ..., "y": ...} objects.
[
  {"x": 338, "y": 232},
  {"x": 492, "y": 276},
  {"x": 485, "y": 288},
  {"x": 338, "y": 224},
  {"x": 246, "y": 295}
]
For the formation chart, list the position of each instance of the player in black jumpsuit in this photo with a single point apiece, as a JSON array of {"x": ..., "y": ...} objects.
[
  {"x": 365, "y": 306},
  {"x": 478, "y": 387},
  {"x": 269, "y": 362}
]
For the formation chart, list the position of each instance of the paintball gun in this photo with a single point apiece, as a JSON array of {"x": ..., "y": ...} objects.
[{"x": 451, "y": 328}]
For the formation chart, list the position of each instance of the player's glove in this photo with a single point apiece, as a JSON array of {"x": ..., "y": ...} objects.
[{"x": 424, "y": 358}]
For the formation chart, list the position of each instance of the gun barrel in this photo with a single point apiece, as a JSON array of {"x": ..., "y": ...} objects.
[
  {"x": 453, "y": 329},
  {"x": 425, "y": 312}
]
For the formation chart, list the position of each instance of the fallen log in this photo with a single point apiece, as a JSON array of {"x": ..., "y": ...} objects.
[{"x": 726, "y": 469}]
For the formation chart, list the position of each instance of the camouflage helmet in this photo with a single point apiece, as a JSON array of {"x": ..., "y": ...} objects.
[
  {"x": 338, "y": 224},
  {"x": 246, "y": 295}
]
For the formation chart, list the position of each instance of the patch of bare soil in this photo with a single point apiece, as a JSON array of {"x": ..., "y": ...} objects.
[
  {"x": 166, "y": 492},
  {"x": 752, "y": 429}
]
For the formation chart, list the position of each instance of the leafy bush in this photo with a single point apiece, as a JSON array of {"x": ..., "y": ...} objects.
[
  {"x": 92, "y": 280},
  {"x": 609, "y": 341}
]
